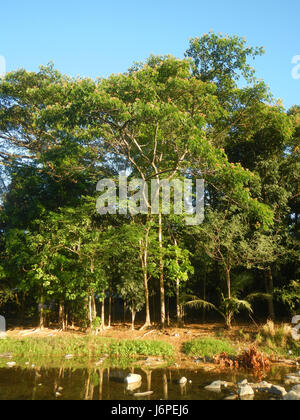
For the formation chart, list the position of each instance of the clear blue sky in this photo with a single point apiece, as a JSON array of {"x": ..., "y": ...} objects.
[{"x": 95, "y": 37}]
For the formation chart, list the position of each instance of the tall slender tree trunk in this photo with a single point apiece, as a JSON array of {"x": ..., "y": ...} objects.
[
  {"x": 109, "y": 308},
  {"x": 228, "y": 281},
  {"x": 144, "y": 262},
  {"x": 161, "y": 273},
  {"x": 90, "y": 311},
  {"x": 124, "y": 313},
  {"x": 168, "y": 311},
  {"x": 228, "y": 315},
  {"x": 103, "y": 311},
  {"x": 269, "y": 289},
  {"x": 94, "y": 309},
  {"x": 133, "y": 314},
  {"x": 61, "y": 314},
  {"x": 204, "y": 298},
  {"x": 178, "y": 307},
  {"x": 42, "y": 311}
]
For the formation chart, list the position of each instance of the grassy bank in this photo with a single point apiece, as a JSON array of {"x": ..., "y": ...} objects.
[
  {"x": 84, "y": 347},
  {"x": 123, "y": 347}
]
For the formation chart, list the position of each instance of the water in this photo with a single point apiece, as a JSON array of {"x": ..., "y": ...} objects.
[{"x": 67, "y": 383}]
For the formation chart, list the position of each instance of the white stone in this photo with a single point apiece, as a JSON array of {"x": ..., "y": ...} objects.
[
  {"x": 296, "y": 319},
  {"x": 245, "y": 390},
  {"x": 262, "y": 386},
  {"x": 133, "y": 378},
  {"x": 215, "y": 386},
  {"x": 290, "y": 379},
  {"x": 292, "y": 396},
  {"x": 244, "y": 382},
  {"x": 134, "y": 386},
  {"x": 296, "y": 389},
  {"x": 182, "y": 381},
  {"x": 10, "y": 364}
]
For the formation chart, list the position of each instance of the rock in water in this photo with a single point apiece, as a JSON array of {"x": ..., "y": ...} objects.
[
  {"x": 132, "y": 378},
  {"x": 245, "y": 391},
  {"x": 182, "y": 381},
  {"x": 243, "y": 383},
  {"x": 262, "y": 386},
  {"x": 292, "y": 396},
  {"x": 292, "y": 379},
  {"x": 134, "y": 386},
  {"x": 278, "y": 390},
  {"x": 215, "y": 386},
  {"x": 143, "y": 394},
  {"x": 231, "y": 398},
  {"x": 296, "y": 389},
  {"x": 10, "y": 364}
]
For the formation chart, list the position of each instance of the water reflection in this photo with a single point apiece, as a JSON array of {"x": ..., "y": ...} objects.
[{"x": 108, "y": 383}]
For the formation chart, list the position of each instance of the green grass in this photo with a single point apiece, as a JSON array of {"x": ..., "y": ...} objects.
[
  {"x": 277, "y": 340},
  {"x": 207, "y": 347},
  {"x": 86, "y": 346}
]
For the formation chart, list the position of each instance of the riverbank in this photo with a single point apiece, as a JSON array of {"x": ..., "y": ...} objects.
[{"x": 186, "y": 347}]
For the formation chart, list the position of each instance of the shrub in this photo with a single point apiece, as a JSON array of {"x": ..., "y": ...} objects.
[{"x": 207, "y": 347}]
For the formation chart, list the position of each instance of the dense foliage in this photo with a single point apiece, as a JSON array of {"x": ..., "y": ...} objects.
[{"x": 202, "y": 117}]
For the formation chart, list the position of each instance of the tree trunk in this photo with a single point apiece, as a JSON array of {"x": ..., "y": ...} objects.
[
  {"x": 178, "y": 307},
  {"x": 109, "y": 309},
  {"x": 124, "y": 313},
  {"x": 269, "y": 289},
  {"x": 90, "y": 312},
  {"x": 94, "y": 309},
  {"x": 61, "y": 314},
  {"x": 42, "y": 312},
  {"x": 168, "y": 311},
  {"x": 161, "y": 274},
  {"x": 144, "y": 262},
  {"x": 133, "y": 314},
  {"x": 228, "y": 281},
  {"x": 204, "y": 298},
  {"x": 103, "y": 311}
]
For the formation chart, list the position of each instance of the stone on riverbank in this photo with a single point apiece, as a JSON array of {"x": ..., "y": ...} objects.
[
  {"x": 10, "y": 364},
  {"x": 292, "y": 396},
  {"x": 292, "y": 379},
  {"x": 216, "y": 386},
  {"x": 262, "y": 386},
  {"x": 245, "y": 391},
  {"x": 277, "y": 390}
]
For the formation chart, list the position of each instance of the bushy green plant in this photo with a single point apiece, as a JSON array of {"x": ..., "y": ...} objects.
[{"x": 207, "y": 347}]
